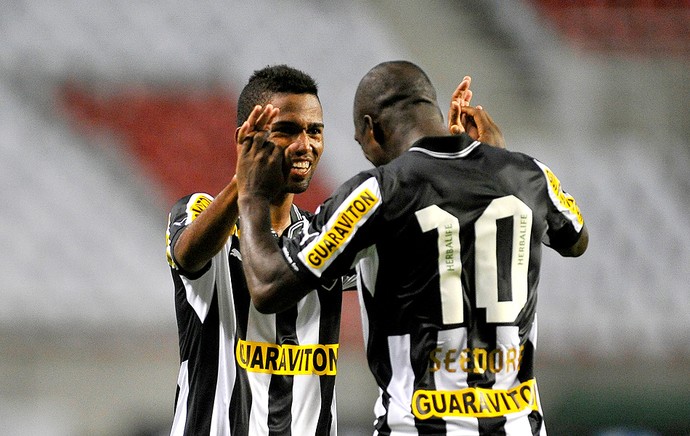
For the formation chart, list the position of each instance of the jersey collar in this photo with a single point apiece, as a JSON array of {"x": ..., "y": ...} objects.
[{"x": 446, "y": 146}]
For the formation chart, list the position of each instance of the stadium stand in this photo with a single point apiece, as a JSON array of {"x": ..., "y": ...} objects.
[
  {"x": 106, "y": 104},
  {"x": 643, "y": 28}
]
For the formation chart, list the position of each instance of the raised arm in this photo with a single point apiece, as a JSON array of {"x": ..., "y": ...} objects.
[
  {"x": 206, "y": 235},
  {"x": 273, "y": 286}
]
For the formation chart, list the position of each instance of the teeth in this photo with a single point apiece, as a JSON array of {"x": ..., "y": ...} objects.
[{"x": 301, "y": 165}]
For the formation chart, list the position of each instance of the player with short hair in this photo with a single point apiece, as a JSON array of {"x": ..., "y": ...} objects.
[
  {"x": 243, "y": 372},
  {"x": 446, "y": 233}
]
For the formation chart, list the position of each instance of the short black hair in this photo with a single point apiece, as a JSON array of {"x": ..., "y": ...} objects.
[{"x": 270, "y": 80}]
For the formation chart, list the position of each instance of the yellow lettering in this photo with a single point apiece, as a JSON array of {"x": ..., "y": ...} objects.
[
  {"x": 479, "y": 360},
  {"x": 331, "y": 239},
  {"x": 287, "y": 359},
  {"x": 476, "y": 360},
  {"x": 449, "y": 359},
  {"x": 474, "y": 402},
  {"x": 435, "y": 363}
]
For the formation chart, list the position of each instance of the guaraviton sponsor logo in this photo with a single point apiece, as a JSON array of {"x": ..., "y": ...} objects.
[
  {"x": 565, "y": 199},
  {"x": 340, "y": 229},
  {"x": 287, "y": 359},
  {"x": 475, "y": 402}
]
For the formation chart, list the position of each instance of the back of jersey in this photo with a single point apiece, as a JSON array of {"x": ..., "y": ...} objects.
[
  {"x": 447, "y": 242},
  {"x": 450, "y": 286}
]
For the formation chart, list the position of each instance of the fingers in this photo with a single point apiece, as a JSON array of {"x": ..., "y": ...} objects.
[
  {"x": 461, "y": 97},
  {"x": 455, "y": 126},
  {"x": 462, "y": 93},
  {"x": 259, "y": 119},
  {"x": 487, "y": 130}
]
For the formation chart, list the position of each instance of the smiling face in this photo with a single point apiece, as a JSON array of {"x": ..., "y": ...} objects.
[{"x": 298, "y": 130}]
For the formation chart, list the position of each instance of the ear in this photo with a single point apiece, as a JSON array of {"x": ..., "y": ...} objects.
[
  {"x": 373, "y": 132},
  {"x": 237, "y": 132}
]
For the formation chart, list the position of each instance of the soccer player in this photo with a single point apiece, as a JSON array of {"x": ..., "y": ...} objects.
[
  {"x": 243, "y": 372},
  {"x": 446, "y": 233}
]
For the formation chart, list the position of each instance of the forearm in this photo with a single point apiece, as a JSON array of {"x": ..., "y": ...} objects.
[
  {"x": 273, "y": 286},
  {"x": 579, "y": 247},
  {"x": 207, "y": 234}
]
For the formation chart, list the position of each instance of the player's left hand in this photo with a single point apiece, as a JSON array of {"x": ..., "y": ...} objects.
[{"x": 259, "y": 161}]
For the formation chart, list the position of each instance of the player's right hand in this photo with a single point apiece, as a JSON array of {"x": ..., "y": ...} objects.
[
  {"x": 486, "y": 130},
  {"x": 259, "y": 161}
]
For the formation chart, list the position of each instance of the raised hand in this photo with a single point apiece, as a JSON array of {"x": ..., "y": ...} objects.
[
  {"x": 460, "y": 98},
  {"x": 259, "y": 161},
  {"x": 486, "y": 130}
]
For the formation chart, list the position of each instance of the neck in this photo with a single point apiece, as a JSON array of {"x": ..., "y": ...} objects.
[
  {"x": 424, "y": 121},
  {"x": 280, "y": 213}
]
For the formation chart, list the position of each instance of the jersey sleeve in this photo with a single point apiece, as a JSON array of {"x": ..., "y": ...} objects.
[
  {"x": 564, "y": 218},
  {"x": 181, "y": 215},
  {"x": 344, "y": 225}
]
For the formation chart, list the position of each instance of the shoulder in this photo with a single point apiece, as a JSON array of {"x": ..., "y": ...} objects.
[{"x": 191, "y": 205}]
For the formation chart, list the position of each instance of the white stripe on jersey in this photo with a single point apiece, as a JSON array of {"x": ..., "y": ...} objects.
[
  {"x": 454, "y": 339},
  {"x": 306, "y": 392},
  {"x": 367, "y": 270},
  {"x": 400, "y": 416},
  {"x": 220, "y": 422},
  {"x": 441, "y": 155},
  {"x": 533, "y": 339},
  {"x": 507, "y": 337},
  {"x": 306, "y": 389},
  {"x": 180, "y": 419},
  {"x": 200, "y": 291},
  {"x": 259, "y": 331},
  {"x": 258, "y": 415}
]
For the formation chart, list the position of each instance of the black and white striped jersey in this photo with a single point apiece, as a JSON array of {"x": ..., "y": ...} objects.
[
  {"x": 243, "y": 372},
  {"x": 447, "y": 242}
]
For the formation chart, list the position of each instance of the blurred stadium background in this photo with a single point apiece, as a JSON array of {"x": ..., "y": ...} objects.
[{"x": 112, "y": 109}]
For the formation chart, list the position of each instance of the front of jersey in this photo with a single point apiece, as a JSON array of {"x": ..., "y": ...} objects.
[
  {"x": 243, "y": 372},
  {"x": 447, "y": 242}
]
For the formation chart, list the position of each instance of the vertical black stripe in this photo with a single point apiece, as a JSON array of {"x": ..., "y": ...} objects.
[
  {"x": 504, "y": 256},
  {"x": 420, "y": 348},
  {"x": 330, "y": 303},
  {"x": 492, "y": 426},
  {"x": 280, "y": 387},
  {"x": 241, "y": 398},
  {"x": 536, "y": 422}
]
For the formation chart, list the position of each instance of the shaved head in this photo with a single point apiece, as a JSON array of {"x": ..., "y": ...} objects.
[{"x": 394, "y": 84}]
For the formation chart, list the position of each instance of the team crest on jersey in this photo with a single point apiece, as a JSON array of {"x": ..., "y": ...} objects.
[
  {"x": 560, "y": 197},
  {"x": 336, "y": 234}
]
